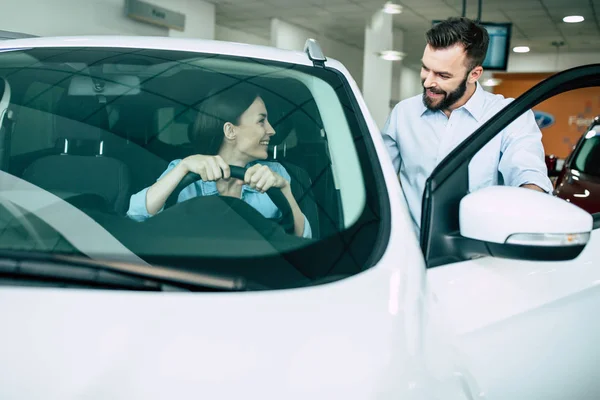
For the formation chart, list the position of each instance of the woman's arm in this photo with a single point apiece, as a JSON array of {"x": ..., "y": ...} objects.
[
  {"x": 210, "y": 168},
  {"x": 261, "y": 177},
  {"x": 157, "y": 194},
  {"x": 296, "y": 212}
]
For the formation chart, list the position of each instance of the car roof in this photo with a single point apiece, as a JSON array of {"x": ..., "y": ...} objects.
[{"x": 163, "y": 43}]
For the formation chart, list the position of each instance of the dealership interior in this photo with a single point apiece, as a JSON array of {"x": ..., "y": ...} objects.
[
  {"x": 299, "y": 199},
  {"x": 380, "y": 43}
]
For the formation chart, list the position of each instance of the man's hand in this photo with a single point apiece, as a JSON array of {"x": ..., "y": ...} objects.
[{"x": 534, "y": 187}]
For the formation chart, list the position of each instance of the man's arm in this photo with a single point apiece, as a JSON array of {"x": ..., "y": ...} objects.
[
  {"x": 532, "y": 186},
  {"x": 522, "y": 160}
]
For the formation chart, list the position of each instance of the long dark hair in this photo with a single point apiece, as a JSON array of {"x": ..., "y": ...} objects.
[{"x": 221, "y": 106}]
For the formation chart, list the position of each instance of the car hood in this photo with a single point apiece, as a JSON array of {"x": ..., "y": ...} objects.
[
  {"x": 353, "y": 339},
  {"x": 580, "y": 189}
]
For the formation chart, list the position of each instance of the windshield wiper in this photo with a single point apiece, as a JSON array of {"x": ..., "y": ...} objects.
[{"x": 113, "y": 274}]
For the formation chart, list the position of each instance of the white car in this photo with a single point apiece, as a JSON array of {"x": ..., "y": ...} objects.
[{"x": 495, "y": 299}]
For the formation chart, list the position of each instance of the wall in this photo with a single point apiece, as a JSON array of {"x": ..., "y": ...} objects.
[
  {"x": 550, "y": 62},
  {"x": 378, "y": 87},
  {"x": 406, "y": 82},
  {"x": 199, "y": 17},
  {"x": 50, "y": 18},
  {"x": 234, "y": 35},
  {"x": 291, "y": 37},
  {"x": 571, "y": 111},
  {"x": 105, "y": 17},
  {"x": 410, "y": 83}
]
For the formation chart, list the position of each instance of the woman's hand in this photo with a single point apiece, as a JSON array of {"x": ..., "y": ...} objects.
[
  {"x": 262, "y": 178},
  {"x": 210, "y": 168}
]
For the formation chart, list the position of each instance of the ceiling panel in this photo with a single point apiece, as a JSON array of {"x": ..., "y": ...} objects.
[
  {"x": 533, "y": 13},
  {"x": 236, "y": 2},
  {"x": 566, "y": 4},
  {"x": 535, "y": 22},
  {"x": 323, "y": 3},
  {"x": 559, "y": 13},
  {"x": 282, "y": 3}
]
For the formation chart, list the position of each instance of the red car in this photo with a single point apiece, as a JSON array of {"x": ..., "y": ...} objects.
[{"x": 579, "y": 180}]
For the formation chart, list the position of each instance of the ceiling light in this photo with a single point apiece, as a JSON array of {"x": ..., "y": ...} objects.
[
  {"x": 521, "y": 49},
  {"x": 392, "y": 8},
  {"x": 492, "y": 82},
  {"x": 572, "y": 19},
  {"x": 391, "y": 55}
]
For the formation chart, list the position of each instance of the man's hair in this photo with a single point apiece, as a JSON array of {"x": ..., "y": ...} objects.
[{"x": 463, "y": 31}]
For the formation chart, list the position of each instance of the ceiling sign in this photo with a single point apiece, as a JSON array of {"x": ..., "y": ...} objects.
[{"x": 155, "y": 15}]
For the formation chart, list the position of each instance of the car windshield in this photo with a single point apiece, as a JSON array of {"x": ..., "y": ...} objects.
[
  {"x": 86, "y": 131},
  {"x": 587, "y": 157}
]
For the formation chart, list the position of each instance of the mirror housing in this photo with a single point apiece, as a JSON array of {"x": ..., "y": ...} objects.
[
  {"x": 116, "y": 85},
  {"x": 515, "y": 222}
]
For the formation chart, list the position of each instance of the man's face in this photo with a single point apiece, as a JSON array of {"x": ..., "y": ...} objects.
[{"x": 444, "y": 76}]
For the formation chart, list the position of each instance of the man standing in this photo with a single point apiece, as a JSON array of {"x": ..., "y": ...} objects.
[{"x": 423, "y": 129}]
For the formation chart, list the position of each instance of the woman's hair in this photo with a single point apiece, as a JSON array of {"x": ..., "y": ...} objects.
[{"x": 221, "y": 106}]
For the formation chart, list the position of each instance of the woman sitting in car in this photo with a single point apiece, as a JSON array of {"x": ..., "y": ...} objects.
[{"x": 232, "y": 128}]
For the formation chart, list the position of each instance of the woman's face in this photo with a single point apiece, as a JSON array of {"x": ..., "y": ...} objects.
[{"x": 254, "y": 132}]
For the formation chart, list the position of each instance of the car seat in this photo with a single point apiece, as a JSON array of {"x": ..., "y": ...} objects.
[{"x": 81, "y": 171}]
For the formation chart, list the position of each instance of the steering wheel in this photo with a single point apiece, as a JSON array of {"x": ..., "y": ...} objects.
[{"x": 275, "y": 194}]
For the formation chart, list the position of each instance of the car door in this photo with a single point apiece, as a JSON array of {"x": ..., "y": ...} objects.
[{"x": 525, "y": 329}]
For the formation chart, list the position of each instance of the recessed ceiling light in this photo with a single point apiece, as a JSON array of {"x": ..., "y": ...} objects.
[
  {"x": 392, "y": 8},
  {"x": 521, "y": 49},
  {"x": 391, "y": 55},
  {"x": 572, "y": 19}
]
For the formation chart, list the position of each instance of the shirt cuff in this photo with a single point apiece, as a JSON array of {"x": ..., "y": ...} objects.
[
  {"x": 535, "y": 178},
  {"x": 137, "y": 206}
]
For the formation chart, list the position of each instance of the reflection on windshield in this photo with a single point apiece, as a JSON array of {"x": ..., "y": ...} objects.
[{"x": 36, "y": 220}]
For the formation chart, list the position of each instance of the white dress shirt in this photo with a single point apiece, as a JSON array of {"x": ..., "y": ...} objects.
[{"x": 417, "y": 139}]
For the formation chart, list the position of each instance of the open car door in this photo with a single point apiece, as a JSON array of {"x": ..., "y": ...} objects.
[{"x": 515, "y": 270}]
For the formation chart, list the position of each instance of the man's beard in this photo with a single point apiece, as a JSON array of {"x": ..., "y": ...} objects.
[{"x": 449, "y": 98}]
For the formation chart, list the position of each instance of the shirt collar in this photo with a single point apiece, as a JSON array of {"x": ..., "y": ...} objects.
[
  {"x": 423, "y": 108},
  {"x": 474, "y": 105}
]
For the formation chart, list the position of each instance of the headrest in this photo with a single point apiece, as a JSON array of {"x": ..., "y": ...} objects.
[{"x": 81, "y": 118}]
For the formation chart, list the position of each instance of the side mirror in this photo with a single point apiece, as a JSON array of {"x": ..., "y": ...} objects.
[{"x": 514, "y": 222}]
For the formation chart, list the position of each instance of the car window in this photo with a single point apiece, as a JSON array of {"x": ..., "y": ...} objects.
[
  {"x": 587, "y": 158},
  {"x": 95, "y": 126}
]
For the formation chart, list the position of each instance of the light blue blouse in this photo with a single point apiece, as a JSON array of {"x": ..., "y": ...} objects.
[{"x": 260, "y": 201}]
